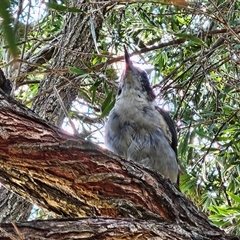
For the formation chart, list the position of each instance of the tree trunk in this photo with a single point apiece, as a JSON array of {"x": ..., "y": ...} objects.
[
  {"x": 75, "y": 48},
  {"x": 73, "y": 177},
  {"x": 13, "y": 207}
]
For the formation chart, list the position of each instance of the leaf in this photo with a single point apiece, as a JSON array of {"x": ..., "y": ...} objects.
[
  {"x": 190, "y": 37},
  {"x": 234, "y": 197},
  {"x": 107, "y": 100},
  {"x": 95, "y": 60},
  {"x": 210, "y": 149},
  {"x": 93, "y": 89},
  {"x": 93, "y": 95},
  {"x": 107, "y": 109},
  {"x": 62, "y": 8},
  {"x": 188, "y": 183},
  {"x": 94, "y": 34},
  {"x": 95, "y": 85},
  {"x": 7, "y": 24},
  {"x": 77, "y": 71},
  {"x": 182, "y": 20},
  {"x": 105, "y": 86},
  {"x": 185, "y": 142},
  {"x": 83, "y": 93}
]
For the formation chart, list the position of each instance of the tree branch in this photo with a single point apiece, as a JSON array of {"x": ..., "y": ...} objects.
[
  {"x": 104, "y": 228},
  {"x": 73, "y": 177}
]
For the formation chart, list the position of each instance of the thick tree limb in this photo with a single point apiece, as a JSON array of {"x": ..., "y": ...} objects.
[
  {"x": 103, "y": 228},
  {"x": 73, "y": 177}
]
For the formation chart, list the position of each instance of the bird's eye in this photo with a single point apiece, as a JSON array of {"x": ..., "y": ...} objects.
[
  {"x": 119, "y": 91},
  {"x": 139, "y": 96}
]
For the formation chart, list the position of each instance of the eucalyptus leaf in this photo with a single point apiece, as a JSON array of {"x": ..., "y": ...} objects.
[{"x": 190, "y": 37}]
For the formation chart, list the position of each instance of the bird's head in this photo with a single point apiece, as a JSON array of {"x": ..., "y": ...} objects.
[{"x": 134, "y": 82}]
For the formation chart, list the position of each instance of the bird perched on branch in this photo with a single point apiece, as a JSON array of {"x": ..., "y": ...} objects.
[{"x": 138, "y": 129}]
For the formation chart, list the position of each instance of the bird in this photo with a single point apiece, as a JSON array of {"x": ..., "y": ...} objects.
[{"x": 137, "y": 128}]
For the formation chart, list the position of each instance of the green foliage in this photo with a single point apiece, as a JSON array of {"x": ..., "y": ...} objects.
[
  {"x": 7, "y": 26},
  {"x": 197, "y": 75},
  {"x": 227, "y": 217},
  {"x": 62, "y": 7},
  {"x": 107, "y": 105},
  {"x": 77, "y": 71},
  {"x": 190, "y": 37}
]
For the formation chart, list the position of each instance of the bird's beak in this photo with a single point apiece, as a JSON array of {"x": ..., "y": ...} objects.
[{"x": 128, "y": 62}]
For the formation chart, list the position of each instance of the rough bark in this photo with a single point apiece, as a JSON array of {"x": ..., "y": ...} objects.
[
  {"x": 73, "y": 177},
  {"x": 105, "y": 228},
  {"x": 12, "y": 206}
]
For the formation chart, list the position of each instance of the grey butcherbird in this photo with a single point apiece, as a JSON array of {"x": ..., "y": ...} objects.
[{"x": 138, "y": 129}]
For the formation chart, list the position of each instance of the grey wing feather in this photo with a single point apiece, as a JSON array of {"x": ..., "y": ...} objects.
[{"x": 171, "y": 127}]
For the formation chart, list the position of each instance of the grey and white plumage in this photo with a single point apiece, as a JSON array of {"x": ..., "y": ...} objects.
[{"x": 138, "y": 129}]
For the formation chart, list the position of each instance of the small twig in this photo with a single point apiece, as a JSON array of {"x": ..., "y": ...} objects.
[
  {"x": 65, "y": 111},
  {"x": 18, "y": 231}
]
